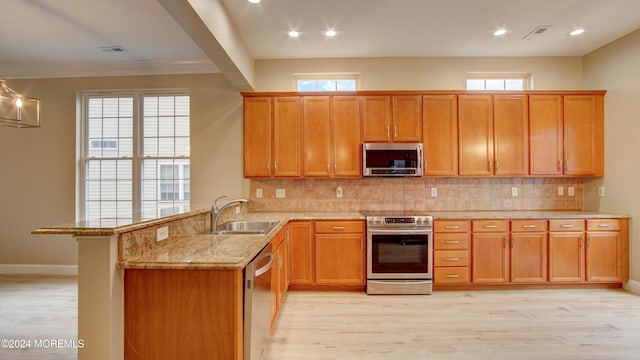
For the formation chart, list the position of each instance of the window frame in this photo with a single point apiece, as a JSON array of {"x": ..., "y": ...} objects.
[
  {"x": 83, "y": 143},
  {"x": 526, "y": 79},
  {"x": 325, "y": 76}
]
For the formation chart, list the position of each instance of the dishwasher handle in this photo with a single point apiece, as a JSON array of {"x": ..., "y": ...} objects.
[{"x": 265, "y": 268}]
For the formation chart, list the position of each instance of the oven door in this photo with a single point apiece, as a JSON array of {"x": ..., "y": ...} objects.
[{"x": 399, "y": 254}]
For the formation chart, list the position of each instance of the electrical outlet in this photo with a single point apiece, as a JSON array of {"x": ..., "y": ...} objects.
[
  {"x": 514, "y": 191},
  {"x": 162, "y": 233},
  {"x": 571, "y": 191},
  {"x": 601, "y": 190},
  {"x": 434, "y": 192},
  {"x": 281, "y": 193},
  {"x": 339, "y": 192},
  {"x": 560, "y": 190},
  {"x": 259, "y": 193}
]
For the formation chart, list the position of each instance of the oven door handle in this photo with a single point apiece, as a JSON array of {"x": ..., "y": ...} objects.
[{"x": 397, "y": 232}]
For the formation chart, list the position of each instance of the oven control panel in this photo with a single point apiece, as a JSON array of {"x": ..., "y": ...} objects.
[{"x": 395, "y": 221}]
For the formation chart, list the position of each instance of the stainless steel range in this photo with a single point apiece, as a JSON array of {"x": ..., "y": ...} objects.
[{"x": 399, "y": 253}]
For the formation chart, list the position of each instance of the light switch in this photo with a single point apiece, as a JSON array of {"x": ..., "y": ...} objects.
[
  {"x": 162, "y": 233},
  {"x": 601, "y": 190}
]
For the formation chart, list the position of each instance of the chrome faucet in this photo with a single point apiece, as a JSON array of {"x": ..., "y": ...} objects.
[{"x": 217, "y": 211}]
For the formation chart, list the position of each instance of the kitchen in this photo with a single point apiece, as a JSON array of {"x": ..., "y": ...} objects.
[{"x": 217, "y": 144}]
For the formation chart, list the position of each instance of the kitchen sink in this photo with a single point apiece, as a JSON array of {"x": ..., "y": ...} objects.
[{"x": 248, "y": 227}]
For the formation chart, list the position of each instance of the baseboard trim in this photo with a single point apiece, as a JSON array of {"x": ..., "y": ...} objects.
[
  {"x": 633, "y": 286},
  {"x": 38, "y": 269}
]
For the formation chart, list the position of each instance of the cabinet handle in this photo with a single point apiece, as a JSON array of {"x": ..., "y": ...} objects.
[
  {"x": 395, "y": 131},
  {"x": 505, "y": 242},
  {"x": 339, "y": 228},
  {"x": 268, "y": 169},
  {"x": 529, "y": 226},
  {"x": 513, "y": 242},
  {"x": 566, "y": 226},
  {"x": 452, "y": 227},
  {"x": 275, "y": 167},
  {"x": 328, "y": 167},
  {"x": 489, "y": 165},
  {"x": 581, "y": 241},
  {"x": 388, "y": 134},
  {"x": 452, "y": 259},
  {"x": 566, "y": 165},
  {"x": 497, "y": 164},
  {"x": 452, "y": 242},
  {"x": 490, "y": 226},
  {"x": 604, "y": 225},
  {"x": 452, "y": 276},
  {"x": 590, "y": 241}
]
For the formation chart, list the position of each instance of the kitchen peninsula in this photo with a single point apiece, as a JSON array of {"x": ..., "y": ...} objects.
[{"x": 184, "y": 268}]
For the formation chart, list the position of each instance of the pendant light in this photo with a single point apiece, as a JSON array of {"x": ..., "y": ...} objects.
[{"x": 17, "y": 110}]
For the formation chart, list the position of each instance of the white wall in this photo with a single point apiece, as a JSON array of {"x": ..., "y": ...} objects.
[
  {"x": 549, "y": 73},
  {"x": 37, "y": 182},
  {"x": 615, "y": 68}
]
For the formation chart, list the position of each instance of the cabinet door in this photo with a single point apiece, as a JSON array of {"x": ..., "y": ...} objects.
[
  {"x": 440, "y": 135},
  {"x": 257, "y": 137},
  {"x": 376, "y": 118},
  {"x": 286, "y": 136},
  {"x": 317, "y": 138},
  {"x": 407, "y": 119},
  {"x": 274, "y": 287},
  {"x": 603, "y": 254},
  {"x": 545, "y": 135},
  {"x": 301, "y": 261},
  {"x": 566, "y": 257},
  {"x": 475, "y": 121},
  {"x": 490, "y": 258},
  {"x": 339, "y": 259},
  {"x": 345, "y": 128},
  {"x": 511, "y": 135},
  {"x": 582, "y": 134},
  {"x": 528, "y": 257},
  {"x": 283, "y": 272}
]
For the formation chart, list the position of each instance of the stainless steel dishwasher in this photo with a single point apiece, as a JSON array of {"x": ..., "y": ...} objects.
[{"x": 257, "y": 305}]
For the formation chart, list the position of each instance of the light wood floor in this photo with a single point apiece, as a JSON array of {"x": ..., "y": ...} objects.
[
  {"x": 38, "y": 308},
  {"x": 518, "y": 325}
]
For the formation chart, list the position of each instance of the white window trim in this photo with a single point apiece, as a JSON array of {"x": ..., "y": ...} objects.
[
  {"x": 325, "y": 76},
  {"x": 527, "y": 77},
  {"x": 82, "y": 143}
]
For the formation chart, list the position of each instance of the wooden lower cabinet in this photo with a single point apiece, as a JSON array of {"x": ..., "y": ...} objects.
[
  {"x": 280, "y": 272},
  {"x": 528, "y": 262},
  {"x": 451, "y": 259},
  {"x": 183, "y": 314},
  {"x": 566, "y": 251},
  {"x": 301, "y": 242},
  {"x": 604, "y": 250},
  {"x": 490, "y": 251}
]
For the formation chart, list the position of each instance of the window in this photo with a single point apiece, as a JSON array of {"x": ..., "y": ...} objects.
[
  {"x": 326, "y": 82},
  {"x": 134, "y": 155},
  {"x": 498, "y": 82}
]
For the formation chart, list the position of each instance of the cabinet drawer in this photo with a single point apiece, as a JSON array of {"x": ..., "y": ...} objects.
[
  {"x": 451, "y": 275},
  {"x": 451, "y": 241},
  {"x": 603, "y": 224},
  {"x": 339, "y": 226},
  {"x": 528, "y": 225},
  {"x": 490, "y": 225},
  {"x": 451, "y": 258},
  {"x": 566, "y": 225},
  {"x": 451, "y": 226}
]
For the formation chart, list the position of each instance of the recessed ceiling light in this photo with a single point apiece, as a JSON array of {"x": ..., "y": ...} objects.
[
  {"x": 500, "y": 32},
  {"x": 576, "y": 32},
  {"x": 294, "y": 34},
  {"x": 330, "y": 33},
  {"x": 254, "y": 1}
]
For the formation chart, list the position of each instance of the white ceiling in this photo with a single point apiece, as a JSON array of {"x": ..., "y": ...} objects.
[{"x": 52, "y": 37}]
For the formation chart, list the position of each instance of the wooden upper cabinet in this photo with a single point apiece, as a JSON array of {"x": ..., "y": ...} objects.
[
  {"x": 257, "y": 136},
  {"x": 392, "y": 118},
  {"x": 317, "y": 135},
  {"x": 286, "y": 136},
  {"x": 583, "y": 135},
  {"x": 345, "y": 125},
  {"x": 545, "y": 134},
  {"x": 510, "y": 135},
  {"x": 376, "y": 118},
  {"x": 440, "y": 135},
  {"x": 406, "y": 119},
  {"x": 475, "y": 131}
]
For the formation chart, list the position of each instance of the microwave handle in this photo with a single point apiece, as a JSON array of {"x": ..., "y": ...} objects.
[{"x": 422, "y": 163}]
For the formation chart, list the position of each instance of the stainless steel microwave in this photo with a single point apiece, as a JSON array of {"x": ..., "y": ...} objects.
[{"x": 392, "y": 159}]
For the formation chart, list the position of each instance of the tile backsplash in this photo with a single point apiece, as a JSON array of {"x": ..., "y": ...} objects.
[{"x": 416, "y": 194}]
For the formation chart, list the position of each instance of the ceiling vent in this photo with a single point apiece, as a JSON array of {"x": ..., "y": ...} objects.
[
  {"x": 113, "y": 49},
  {"x": 536, "y": 32}
]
